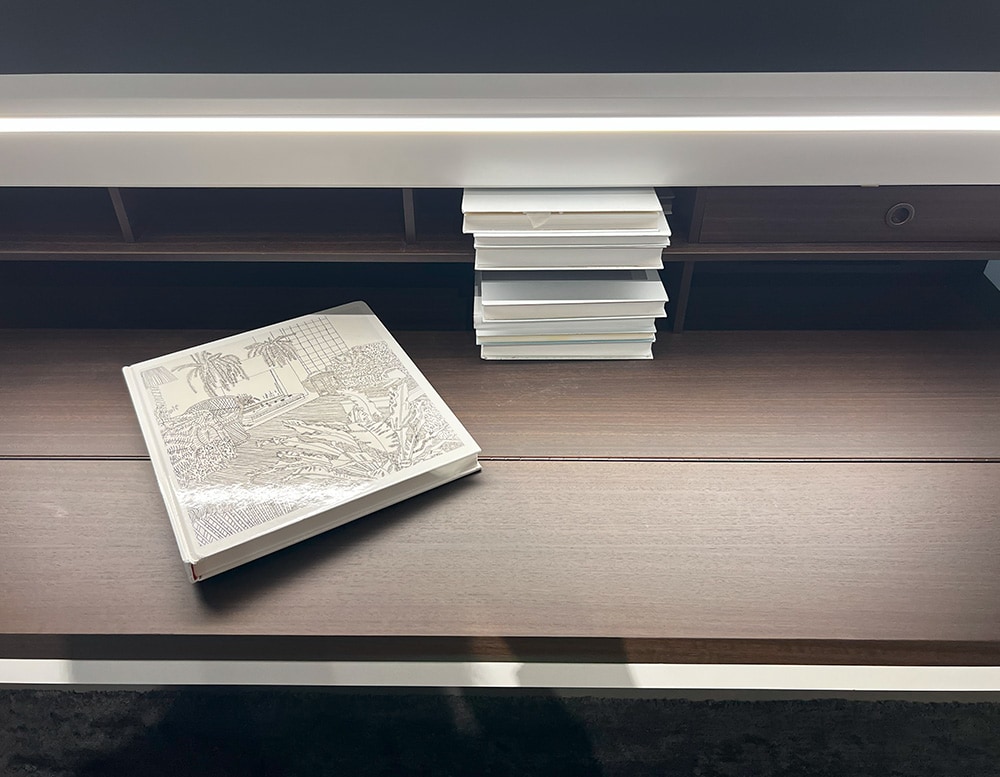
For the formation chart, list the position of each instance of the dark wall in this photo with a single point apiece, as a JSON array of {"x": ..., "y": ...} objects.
[{"x": 511, "y": 36}]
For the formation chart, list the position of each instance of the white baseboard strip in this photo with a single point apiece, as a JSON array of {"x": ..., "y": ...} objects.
[{"x": 501, "y": 674}]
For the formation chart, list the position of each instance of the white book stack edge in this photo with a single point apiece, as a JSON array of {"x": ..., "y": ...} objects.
[
  {"x": 583, "y": 237},
  {"x": 547, "y": 212},
  {"x": 563, "y": 257},
  {"x": 559, "y": 326},
  {"x": 264, "y": 439},
  {"x": 567, "y": 273},
  {"x": 568, "y": 351},
  {"x": 608, "y": 315},
  {"x": 513, "y": 296},
  {"x": 566, "y": 228}
]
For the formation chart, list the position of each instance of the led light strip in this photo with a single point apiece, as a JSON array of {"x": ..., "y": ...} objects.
[
  {"x": 494, "y": 124},
  {"x": 503, "y": 674}
]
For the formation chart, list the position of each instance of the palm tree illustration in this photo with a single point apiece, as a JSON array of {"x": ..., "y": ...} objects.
[
  {"x": 155, "y": 377},
  {"x": 277, "y": 351},
  {"x": 216, "y": 372}
]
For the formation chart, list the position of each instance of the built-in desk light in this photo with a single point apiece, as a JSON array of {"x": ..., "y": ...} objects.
[
  {"x": 517, "y": 130},
  {"x": 495, "y": 124}
]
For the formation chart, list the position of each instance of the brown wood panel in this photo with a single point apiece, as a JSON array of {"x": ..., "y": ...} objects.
[
  {"x": 625, "y": 551},
  {"x": 869, "y": 395},
  {"x": 457, "y": 250},
  {"x": 237, "y": 248},
  {"x": 847, "y": 213},
  {"x": 151, "y": 647},
  {"x": 682, "y": 250},
  {"x": 282, "y": 248}
]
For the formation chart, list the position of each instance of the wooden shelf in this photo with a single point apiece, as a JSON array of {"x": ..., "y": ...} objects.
[
  {"x": 232, "y": 224},
  {"x": 745, "y": 497},
  {"x": 707, "y": 395},
  {"x": 584, "y": 550},
  {"x": 274, "y": 248},
  {"x": 407, "y": 226},
  {"x": 382, "y": 248},
  {"x": 682, "y": 250}
]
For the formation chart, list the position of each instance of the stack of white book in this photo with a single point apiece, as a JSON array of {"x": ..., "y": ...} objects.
[{"x": 567, "y": 273}]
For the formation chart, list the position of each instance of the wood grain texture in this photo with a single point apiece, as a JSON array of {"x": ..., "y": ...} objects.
[
  {"x": 625, "y": 551},
  {"x": 854, "y": 251},
  {"x": 848, "y": 213},
  {"x": 286, "y": 250},
  {"x": 239, "y": 248},
  {"x": 294, "y": 248},
  {"x": 861, "y": 395},
  {"x": 177, "y": 647}
]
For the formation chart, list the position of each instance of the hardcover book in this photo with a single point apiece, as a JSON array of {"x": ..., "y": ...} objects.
[
  {"x": 591, "y": 235},
  {"x": 488, "y": 210},
  {"x": 263, "y": 439},
  {"x": 566, "y": 351},
  {"x": 559, "y": 326},
  {"x": 557, "y": 257},
  {"x": 507, "y": 296}
]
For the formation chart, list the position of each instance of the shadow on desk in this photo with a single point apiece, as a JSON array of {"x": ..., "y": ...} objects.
[{"x": 326, "y": 554}]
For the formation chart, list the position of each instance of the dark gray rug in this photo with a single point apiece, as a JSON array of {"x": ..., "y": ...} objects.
[{"x": 290, "y": 732}]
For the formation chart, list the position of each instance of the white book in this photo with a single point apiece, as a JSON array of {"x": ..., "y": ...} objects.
[
  {"x": 577, "y": 237},
  {"x": 560, "y": 209},
  {"x": 546, "y": 339},
  {"x": 645, "y": 325},
  {"x": 502, "y": 222},
  {"x": 543, "y": 294},
  {"x": 565, "y": 200},
  {"x": 263, "y": 439},
  {"x": 638, "y": 257},
  {"x": 566, "y": 351}
]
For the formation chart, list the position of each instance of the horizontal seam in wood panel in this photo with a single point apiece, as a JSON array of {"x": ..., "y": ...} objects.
[
  {"x": 752, "y": 459},
  {"x": 611, "y": 459},
  {"x": 56, "y": 457}
]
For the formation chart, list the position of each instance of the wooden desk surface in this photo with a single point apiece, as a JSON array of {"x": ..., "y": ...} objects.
[
  {"x": 707, "y": 395},
  {"x": 755, "y": 497}
]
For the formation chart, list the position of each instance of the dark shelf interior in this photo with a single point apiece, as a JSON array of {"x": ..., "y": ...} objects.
[
  {"x": 843, "y": 295},
  {"x": 38, "y": 213},
  {"x": 214, "y": 295},
  {"x": 236, "y": 258},
  {"x": 438, "y": 213},
  {"x": 309, "y": 213},
  {"x": 437, "y": 295}
]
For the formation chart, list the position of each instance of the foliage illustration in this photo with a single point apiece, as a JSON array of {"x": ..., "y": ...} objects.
[
  {"x": 217, "y": 372},
  {"x": 277, "y": 351}
]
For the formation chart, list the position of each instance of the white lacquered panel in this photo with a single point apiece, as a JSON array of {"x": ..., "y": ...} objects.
[{"x": 527, "y": 130}]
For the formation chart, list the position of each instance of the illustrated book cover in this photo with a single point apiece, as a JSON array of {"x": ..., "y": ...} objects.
[{"x": 266, "y": 438}]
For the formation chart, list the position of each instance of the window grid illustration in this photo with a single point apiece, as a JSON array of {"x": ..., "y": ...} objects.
[{"x": 319, "y": 343}]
